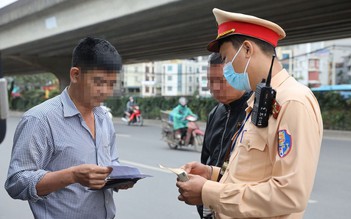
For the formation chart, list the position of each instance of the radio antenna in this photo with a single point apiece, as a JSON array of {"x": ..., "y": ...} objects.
[{"x": 268, "y": 82}]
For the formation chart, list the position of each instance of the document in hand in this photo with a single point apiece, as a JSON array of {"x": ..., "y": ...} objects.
[
  {"x": 182, "y": 175},
  {"x": 123, "y": 175}
]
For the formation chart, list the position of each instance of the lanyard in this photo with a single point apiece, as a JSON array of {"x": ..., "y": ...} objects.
[
  {"x": 239, "y": 131},
  {"x": 229, "y": 152}
]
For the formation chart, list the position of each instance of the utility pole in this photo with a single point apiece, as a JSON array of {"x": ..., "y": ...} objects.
[
  {"x": 4, "y": 106},
  {"x": 330, "y": 67},
  {"x": 333, "y": 67}
]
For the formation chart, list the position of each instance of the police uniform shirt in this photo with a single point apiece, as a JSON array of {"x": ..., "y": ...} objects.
[{"x": 271, "y": 170}]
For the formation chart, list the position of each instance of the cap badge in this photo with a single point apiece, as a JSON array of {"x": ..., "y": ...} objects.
[{"x": 225, "y": 33}]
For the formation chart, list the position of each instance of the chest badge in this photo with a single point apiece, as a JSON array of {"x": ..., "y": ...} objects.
[
  {"x": 276, "y": 109},
  {"x": 284, "y": 143}
]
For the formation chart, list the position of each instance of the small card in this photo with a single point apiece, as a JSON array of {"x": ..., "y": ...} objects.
[{"x": 182, "y": 175}]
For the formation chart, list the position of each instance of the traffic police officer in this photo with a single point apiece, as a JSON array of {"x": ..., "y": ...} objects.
[{"x": 270, "y": 170}]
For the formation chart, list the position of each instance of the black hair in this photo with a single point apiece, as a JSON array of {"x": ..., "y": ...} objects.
[
  {"x": 94, "y": 53},
  {"x": 215, "y": 59},
  {"x": 237, "y": 40}
]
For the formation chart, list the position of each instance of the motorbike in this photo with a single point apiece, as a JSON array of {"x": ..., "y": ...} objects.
[
  {"x": 133, "y": 117},
  {"x": 192, "y": 136}
]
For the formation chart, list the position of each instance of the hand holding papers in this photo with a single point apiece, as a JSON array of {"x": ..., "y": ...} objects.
[
  {"x": 182, "y": 176},
  {"x": 123, "y": 176}
]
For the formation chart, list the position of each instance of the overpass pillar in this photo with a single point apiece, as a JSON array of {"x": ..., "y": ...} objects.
[
  {"x": 60, "y": 67},
  {"x": 63, "y": 79}
]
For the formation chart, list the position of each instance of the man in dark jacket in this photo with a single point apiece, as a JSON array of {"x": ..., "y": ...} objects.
[{"x": 223, "y": 120}]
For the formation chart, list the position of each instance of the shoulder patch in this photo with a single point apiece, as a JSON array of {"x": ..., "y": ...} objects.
[{"x": 284, "y": 143}]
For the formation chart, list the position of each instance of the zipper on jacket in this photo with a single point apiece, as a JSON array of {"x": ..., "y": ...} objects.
[{"x": 225, "y": 130}]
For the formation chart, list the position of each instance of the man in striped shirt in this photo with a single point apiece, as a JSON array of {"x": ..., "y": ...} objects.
[{"x": 63, "y": 147}]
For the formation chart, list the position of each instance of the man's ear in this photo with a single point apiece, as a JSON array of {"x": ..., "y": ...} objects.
[
  {"x": 74, "y": 74},
  {"x": 248, "y": 48}
]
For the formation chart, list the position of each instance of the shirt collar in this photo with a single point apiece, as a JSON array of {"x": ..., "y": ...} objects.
[
  {"x": 69, "y": 109},
  {"x": 100, "y": 112},
  {"x": 277, "y": 80}
]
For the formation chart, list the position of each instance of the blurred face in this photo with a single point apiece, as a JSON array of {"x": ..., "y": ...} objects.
[
  {"x": 96, "y": 85},
  {"x": 219, "y": 87}
]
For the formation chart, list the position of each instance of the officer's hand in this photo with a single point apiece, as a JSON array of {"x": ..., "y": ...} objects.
[
  {"x": 190, "y": 191},
  {"x": 90, "y": 175},
  {"x": 197, "y": 168}
]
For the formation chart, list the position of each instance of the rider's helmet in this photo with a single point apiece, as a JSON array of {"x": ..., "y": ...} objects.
[
  {"x": 183, "y": 101},
  {"x": 131, "y": 99}
]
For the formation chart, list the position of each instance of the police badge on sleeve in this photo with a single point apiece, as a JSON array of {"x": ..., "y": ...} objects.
[{"x": 284, "y": 143}]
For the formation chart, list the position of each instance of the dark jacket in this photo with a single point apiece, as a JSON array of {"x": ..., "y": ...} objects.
[{"x": 223, "y": 121}]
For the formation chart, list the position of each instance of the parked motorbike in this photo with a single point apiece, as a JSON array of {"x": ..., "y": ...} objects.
[
  {"x": 192, "y": 136},
  {"x": 134, "y": 117}
]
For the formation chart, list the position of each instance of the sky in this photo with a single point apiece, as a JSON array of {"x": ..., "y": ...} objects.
[{"x": 3, "y": 3}]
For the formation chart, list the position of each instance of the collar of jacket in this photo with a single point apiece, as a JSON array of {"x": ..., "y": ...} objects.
[{"x": 236, "y": 104}]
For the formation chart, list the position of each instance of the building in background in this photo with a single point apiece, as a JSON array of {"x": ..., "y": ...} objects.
[
  {"x": 185, "y": 77},
  {"x": 313, "y": 64},
  {"x": 203, "y": 68},
  {"x": 150, "y": 85},
  {"x": 343, "y": 70},
  {"x": 166, "y": 78},
  {"x": 318, "y": 63},
  {"x": 132, "y": 78}
]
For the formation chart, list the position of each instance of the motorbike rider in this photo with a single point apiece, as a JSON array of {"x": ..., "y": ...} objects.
[
  {"x": 129, "y": 109},
  {"x": 180, "y": 124}
]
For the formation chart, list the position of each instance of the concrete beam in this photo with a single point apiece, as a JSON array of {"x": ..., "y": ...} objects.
[
  {"x": 24, "y": 8},
  {"x": 59, "y": 66},
  {"x": 155, "y": 30},
  {"x": 29, "y": 21}
]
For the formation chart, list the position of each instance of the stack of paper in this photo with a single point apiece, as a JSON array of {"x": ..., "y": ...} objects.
[{"x": 123, "y": 175}]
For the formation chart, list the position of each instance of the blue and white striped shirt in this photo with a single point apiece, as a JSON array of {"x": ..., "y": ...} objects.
[{"x": 53, "y": 136}]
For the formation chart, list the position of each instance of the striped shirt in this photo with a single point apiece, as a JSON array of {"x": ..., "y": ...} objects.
[{"x": 53, "y": 136}]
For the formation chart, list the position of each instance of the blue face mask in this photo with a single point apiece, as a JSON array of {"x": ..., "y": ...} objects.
[{"x": 239, "y": 81}]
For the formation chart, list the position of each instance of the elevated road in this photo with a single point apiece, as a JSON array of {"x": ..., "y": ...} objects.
[{"x": 39, "y": 35}]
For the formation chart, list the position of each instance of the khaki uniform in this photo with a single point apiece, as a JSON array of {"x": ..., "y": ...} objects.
[{"x": 264, "y": 179}]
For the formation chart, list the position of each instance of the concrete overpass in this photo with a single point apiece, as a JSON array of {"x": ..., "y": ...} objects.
[{"x": 39, "y": 35}]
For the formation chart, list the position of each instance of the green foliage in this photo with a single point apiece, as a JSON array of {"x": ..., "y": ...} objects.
[
  {"x": 202, "y": 106},
  {"x": 31, "y": 93},
  {"x": 35, "y": 81},
  {"x": 28, "y": 100},
  {"x": 335, "y": 110},
  {"x": 54, "y": 93},
  {"x": 117, "y": 105}
]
